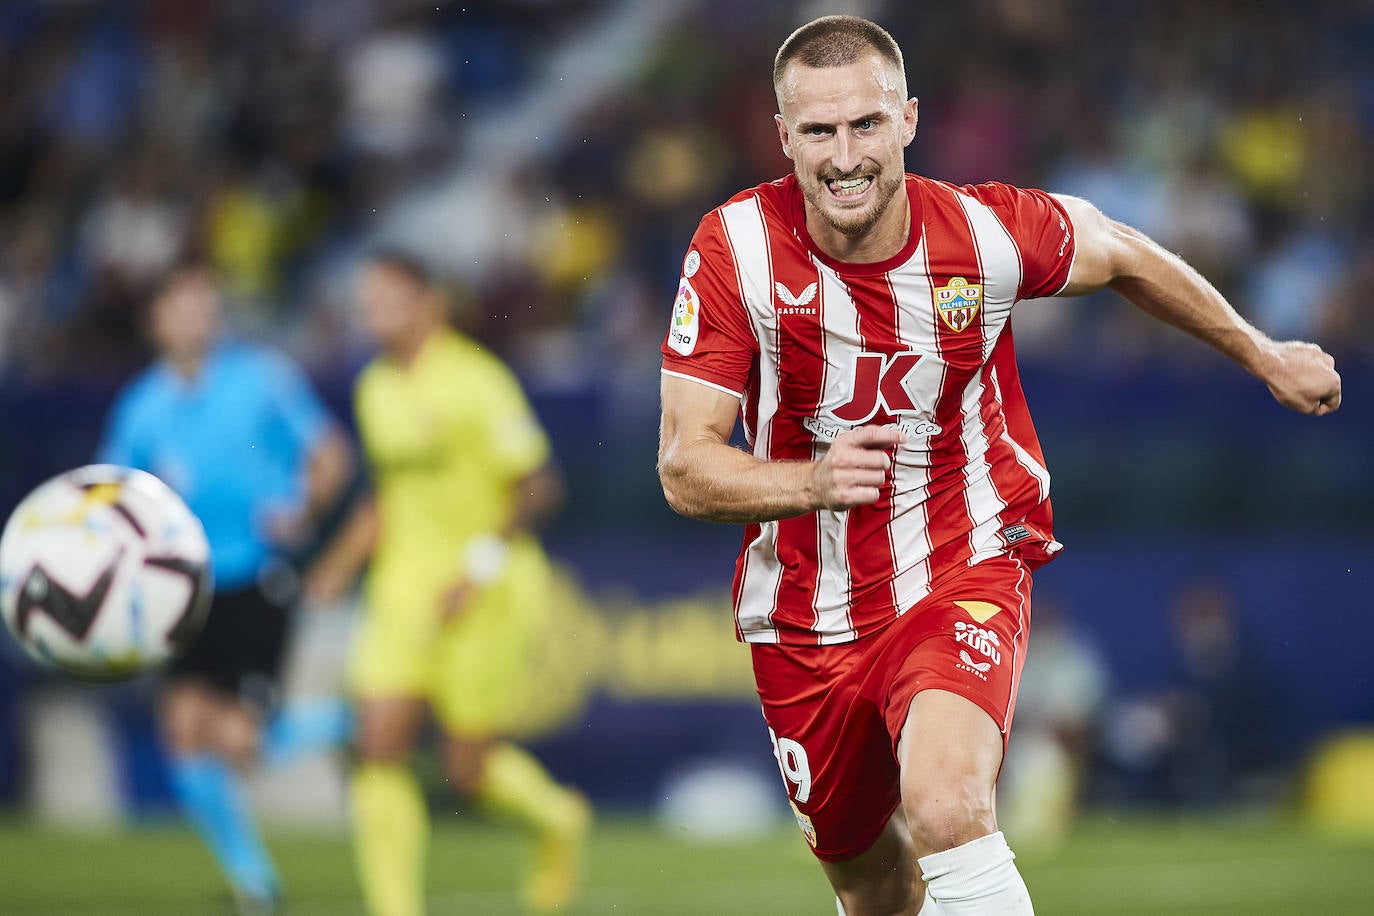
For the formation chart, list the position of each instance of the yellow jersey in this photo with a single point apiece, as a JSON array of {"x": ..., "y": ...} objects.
[{"x": 447, "y": 438}]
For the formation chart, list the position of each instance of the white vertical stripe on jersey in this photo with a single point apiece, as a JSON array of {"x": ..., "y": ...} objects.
[
  {"x": 994, "y": 236},
  {"x": 840, "y": 318},
  {"x": 1025, "y": 458},
  {"x": 911, "y": 474},
  {"x": 984, "y": 504},
  {"x": 999, "y": 268},
  {"x": 747, "y": 235},
  {"x": 1000, "y": 264}
]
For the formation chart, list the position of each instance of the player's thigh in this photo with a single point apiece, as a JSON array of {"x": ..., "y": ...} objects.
[
  {"x": 950, "y": 753},
  {"x": 465, "y": 758},
  {"x": 388, "y": 727},
  {"x": 833, "y": 748},
  {"x": 394, "y": 646},
  {"x": 186, "y": 710},
  {"x": 882, "y": 879},
  {"x": 487, "y": 660}
]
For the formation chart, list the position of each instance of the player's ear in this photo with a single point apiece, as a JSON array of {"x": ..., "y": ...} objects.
[
  {"x": 783, "y": 136},
  {"x": 909, "y": 121}
]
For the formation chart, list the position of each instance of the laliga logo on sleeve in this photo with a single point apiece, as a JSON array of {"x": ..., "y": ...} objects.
[{"x": 682, "y": 336}]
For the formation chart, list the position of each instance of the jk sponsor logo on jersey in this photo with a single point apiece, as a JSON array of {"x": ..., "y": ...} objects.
[
  {"x": 682, "y": 336},
  {"x": 979, "y": 650},
  {"x": 958, "y": 303}
]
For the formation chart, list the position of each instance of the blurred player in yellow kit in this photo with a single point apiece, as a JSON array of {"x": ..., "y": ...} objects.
[{"x": 457, "y": 591}]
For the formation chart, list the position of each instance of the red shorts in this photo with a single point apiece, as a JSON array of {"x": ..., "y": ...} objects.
[{"x": 835, "y": 713}]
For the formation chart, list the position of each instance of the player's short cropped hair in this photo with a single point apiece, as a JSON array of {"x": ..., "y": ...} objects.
[
  {"x": 836, "y": 41},
  {"x": 404, "y": 262}
]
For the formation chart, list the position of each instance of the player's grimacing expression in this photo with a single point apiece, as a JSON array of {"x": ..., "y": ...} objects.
[{"x": 845, "y": 128}]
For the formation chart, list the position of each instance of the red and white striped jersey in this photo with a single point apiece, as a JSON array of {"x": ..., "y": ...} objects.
[{"x": 813, "y": 346}]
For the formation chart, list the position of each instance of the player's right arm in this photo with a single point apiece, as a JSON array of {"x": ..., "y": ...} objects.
[
  {"x": 705, "y": 477},
  {"x": 340, "y": 562}
]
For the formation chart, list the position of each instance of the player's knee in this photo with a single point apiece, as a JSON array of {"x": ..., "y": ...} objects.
[
  {"x": 378, "y": 746},
  {"x": 464, "y": 768},
  {"x": 946, "y": 812},
  {"x": 184, "y": 720}
]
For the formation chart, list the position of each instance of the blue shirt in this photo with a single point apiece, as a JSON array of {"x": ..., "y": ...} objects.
[{"x": 234, "y": 442}]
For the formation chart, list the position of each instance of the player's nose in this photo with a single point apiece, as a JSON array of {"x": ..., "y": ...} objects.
[{"x": 847, "y": 156}]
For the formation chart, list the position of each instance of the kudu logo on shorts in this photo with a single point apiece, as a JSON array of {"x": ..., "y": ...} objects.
[{"x": 983, "y": 641}]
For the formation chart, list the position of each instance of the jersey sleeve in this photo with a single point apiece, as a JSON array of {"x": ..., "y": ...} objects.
[
  {"x": 1042, "y": 232},
  {"x": 709, "y": 337},
  {"x": 515, "y": 438}
]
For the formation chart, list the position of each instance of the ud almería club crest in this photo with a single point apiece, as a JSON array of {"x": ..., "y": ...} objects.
[{"x": 958, "y": 303}]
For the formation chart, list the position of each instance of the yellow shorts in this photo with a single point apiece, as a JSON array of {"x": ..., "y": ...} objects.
[{"x": 477, "y": 670}]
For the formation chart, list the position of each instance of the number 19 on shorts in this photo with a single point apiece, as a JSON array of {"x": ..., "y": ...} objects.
[{"x": 796, "y": 770}]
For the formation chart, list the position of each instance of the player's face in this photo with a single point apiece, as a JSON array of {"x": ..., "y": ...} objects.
[
  {"x": 185, "y": 316},
  {"x": 845, "y": 128},
  {"x": 389, "y": 303}
]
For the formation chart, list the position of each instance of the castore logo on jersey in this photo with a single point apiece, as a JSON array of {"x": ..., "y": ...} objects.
[{"x": 796, "y": 305}]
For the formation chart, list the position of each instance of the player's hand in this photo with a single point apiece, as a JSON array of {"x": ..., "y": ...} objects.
[
  {"x": 855, "y": 467},
  {"x": 455, "y": 599},
  {"x": 287, "y": 525},
  {"x": 1302, "y": 377},
  {"x": 326, "y": 584}
]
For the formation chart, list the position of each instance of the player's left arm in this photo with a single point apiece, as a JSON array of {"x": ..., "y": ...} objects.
[
  {"x": 326, "y": 456},
  {"x": 328, "y": 469},
  {"x": 1300, "y": 375},
  {"x": 538, "y": 495}
]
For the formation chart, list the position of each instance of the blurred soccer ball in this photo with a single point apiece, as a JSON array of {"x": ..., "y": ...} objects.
[{"x": 104, "y": 573}]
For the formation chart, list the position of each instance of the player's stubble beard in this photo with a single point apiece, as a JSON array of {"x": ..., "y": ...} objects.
[{"x": 851, "y": 223}]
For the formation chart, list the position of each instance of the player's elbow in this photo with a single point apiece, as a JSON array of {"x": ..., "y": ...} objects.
[
  {"x": 674, "y": 477},
  {"x": 676, "y": 490}
]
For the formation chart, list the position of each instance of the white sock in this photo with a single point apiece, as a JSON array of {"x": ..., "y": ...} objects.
[{"x": 978, "y": 878}]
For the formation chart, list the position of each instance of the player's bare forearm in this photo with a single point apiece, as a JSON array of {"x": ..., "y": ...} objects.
[
  {"x": 704, "y": 477},
  {"x": 716, "y": 482},
  {"x": 537, "y": 496},
  {"x": 1109, "y": 254},
  {"x": 327, "y": 473},
  {"x": 1168, "y": 288},
  {"x": 340, "y": 562}
]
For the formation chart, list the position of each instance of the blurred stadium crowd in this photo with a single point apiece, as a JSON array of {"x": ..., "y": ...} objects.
[
  {"x": 283, "y": 138},
  {"x": 277, "y": 137},
  {"x": 280, "y": 139}
]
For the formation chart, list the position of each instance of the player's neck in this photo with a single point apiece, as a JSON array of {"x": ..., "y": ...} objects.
[
  {"x": 407, "y": 349},
  {"x": 887, "y": 237},
  {"x": 187, "y": 366}
]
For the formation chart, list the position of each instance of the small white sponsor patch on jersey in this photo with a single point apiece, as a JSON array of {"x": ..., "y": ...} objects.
[
  {"x": 690, "y": 265},
  {"x": 682, "y": 335}
]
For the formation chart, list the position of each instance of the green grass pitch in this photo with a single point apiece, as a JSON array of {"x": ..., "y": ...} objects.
[{"x": 1110, "y": 866}]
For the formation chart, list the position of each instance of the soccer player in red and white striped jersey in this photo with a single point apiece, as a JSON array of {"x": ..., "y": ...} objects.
[{"x": 856, "y": 320}]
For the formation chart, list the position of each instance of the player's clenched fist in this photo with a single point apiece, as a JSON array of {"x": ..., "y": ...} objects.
[
  {"x": 1303, "y": 377},
  {"x": 856, "y": 466}
]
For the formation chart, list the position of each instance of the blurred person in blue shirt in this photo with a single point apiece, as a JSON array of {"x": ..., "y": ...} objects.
[{"x": 236, "y": 429}]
